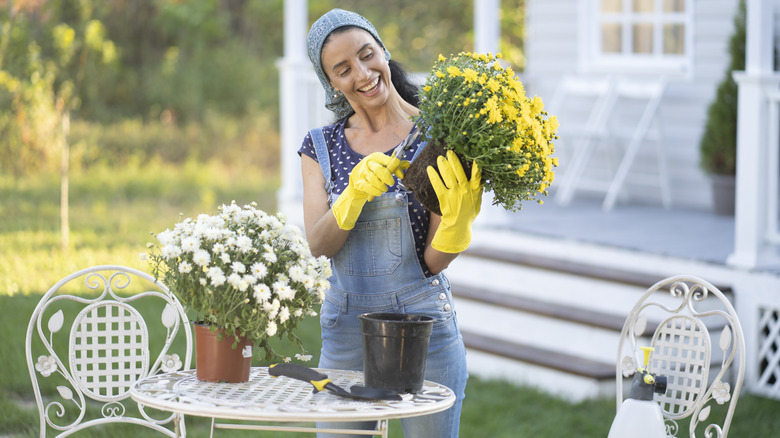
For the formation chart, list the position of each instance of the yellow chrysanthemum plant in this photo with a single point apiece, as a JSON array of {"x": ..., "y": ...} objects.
[{"x": 474, "y": 106}]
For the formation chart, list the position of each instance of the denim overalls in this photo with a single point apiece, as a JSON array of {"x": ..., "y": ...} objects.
[{"x": 377, "y": 270}]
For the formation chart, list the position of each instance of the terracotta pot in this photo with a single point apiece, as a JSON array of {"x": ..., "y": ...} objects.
[
  {"x": 218, "y": 361},
  {"x": 416, "y": 176}
]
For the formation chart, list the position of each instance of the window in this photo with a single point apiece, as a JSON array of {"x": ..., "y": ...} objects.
[{"x": 638, "y": 35}]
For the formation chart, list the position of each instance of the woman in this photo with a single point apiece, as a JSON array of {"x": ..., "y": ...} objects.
[{"x": 387, "y": 251}]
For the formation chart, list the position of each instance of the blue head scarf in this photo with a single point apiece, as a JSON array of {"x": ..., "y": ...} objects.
[{"x": 319, "y": 32}]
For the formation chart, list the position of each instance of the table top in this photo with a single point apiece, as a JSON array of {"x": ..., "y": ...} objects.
[{"x": 281, "y": 399}]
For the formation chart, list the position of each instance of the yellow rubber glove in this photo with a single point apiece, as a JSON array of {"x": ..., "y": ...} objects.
[
  {"x": 371, "y": 177},
  {"x": 460, "y": 200}
]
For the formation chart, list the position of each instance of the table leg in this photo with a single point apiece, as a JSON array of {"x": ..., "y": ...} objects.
[{"x": 383, "y": 426}]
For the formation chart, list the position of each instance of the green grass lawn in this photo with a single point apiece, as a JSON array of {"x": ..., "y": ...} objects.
[{"x": 113, "y": 212}]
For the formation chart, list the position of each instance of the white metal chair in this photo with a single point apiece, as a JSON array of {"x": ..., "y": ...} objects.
[
  {"x": 582, "y": 106},
  {"x": 701, "y": 371},
  {"x": 602, "y": 160},
  {"x": 81, "y": 376}
]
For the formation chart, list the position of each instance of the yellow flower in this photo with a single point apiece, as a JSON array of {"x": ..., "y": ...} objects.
[
  {"x": 494, "y": 115},
  {"x": 493, "y": 85},
  {"x": 470, "y": 75},
  {"x": 514, "y": 148}
]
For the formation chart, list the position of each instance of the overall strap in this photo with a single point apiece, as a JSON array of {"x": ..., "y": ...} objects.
[{"x": 323, "y": 157}]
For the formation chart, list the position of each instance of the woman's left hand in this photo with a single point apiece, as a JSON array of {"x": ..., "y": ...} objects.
[{"x": 460, "y": 200}]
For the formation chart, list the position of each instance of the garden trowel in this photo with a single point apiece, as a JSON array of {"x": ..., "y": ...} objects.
[{"x": 321, "y": 381}]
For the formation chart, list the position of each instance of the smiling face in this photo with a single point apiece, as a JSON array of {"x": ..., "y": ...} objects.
[{"x": 355, "y": 64}]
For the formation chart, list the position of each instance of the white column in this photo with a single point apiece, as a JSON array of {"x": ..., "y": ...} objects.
[
  {"x": 487, "y": 26},
  {"x": 751, "y": 248},
  {"x": 293, "y": 70},
  {"x": 487, "y": 36}
]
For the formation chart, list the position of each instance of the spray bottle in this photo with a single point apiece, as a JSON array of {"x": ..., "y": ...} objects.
[{"x": 640, "y": 416}]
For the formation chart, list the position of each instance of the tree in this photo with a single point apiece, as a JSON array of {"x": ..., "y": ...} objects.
[{"x": 58, "y": 39}]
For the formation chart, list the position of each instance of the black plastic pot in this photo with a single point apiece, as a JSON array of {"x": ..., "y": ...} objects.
[{"x": 395, "y": 349}]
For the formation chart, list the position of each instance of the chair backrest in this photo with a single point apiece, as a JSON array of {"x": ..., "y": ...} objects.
[
  {"x": 683, "y": 311},
  {"x": 92, "y": 336}
]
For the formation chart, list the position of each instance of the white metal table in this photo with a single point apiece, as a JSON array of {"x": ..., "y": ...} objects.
[{"x": 282, "y": 400}]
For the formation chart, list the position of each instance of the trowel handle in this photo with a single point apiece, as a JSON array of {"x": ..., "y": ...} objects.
[{"x": 300, "y": 372}]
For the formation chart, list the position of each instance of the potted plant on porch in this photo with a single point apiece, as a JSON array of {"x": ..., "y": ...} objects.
[
  {"x": 247, "y": 276},
  {"x": 718, "y": 147}
]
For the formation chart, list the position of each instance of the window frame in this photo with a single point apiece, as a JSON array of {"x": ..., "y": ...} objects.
[{"x": 593, "y": 60}]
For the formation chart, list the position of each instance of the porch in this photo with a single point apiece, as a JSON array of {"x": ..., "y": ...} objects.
[{"x": 543, "y": 293}]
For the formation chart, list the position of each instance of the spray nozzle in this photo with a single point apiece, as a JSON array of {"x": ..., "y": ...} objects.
[
  {"x": 646, "y": 351},
  {"x": 645, "y": 383}
]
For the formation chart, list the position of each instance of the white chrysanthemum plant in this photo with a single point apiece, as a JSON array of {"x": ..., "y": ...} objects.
[{"x": 244, "y": 271}]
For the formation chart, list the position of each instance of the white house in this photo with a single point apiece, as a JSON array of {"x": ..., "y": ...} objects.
[{"x": 629, "y": 78}]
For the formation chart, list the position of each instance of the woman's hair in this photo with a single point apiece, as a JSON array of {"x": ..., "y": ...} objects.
[{"x": 408, "y": 90}]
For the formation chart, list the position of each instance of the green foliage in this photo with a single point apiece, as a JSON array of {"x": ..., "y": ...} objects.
[
  {"x": 113, "y": 211},
  {"x": 57, "y": 43},
  {"x": 718, "y": 145}
]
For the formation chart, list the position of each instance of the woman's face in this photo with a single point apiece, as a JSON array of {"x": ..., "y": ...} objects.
[{"x": 355, "y": 64}]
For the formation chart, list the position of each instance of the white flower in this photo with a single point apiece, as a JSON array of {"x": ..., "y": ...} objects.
[
  {"x": 244, "y": 244},
  {"x": 284, "y": 315},
  {"x": 234, "y": 280},
  {"x": 185, "y": 267},
  {"x": 303, "y": 357},
  {"x": 271, "y": 329},
  {"x": 262, "y": 293},
  {"x": 284, "y": 291},
  {"x": 238, "y": 267},
  {"x": 259, "y": 270},
  {"x": 46, "y": 365},
  {"x": 143, "y": 256},
  {"x": 297, "y": 274},
  {"x": 201, "y": 257},
  {"x": 170, "y": 251},
  {"x": 165, "y": 238},
  {"x": 721, "y": 392},
  {"x": 270, "y": 256},
  {"x": 190, "y": 244},
  {"x": 216, "y": 275},
  {"x": 170, "y": 363},
  {"x": 245, "y": 268}
]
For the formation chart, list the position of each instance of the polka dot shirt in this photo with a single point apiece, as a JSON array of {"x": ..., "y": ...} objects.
[{"x": 343, "y": 159}]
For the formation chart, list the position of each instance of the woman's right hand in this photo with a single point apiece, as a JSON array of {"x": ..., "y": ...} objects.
[{"x": 371, "y": 177}]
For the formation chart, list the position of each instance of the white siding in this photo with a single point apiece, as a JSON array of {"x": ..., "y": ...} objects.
[{"x": 552, "y": 49}]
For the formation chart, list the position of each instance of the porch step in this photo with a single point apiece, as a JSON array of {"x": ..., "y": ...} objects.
[
  {"x": 593, "y": 318},
  {"x": 546, "y": 318},
  {"x": 539, "y": 356},
  {"x": 541, "y": 320},
  {"x": 568, "y": 266}
]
